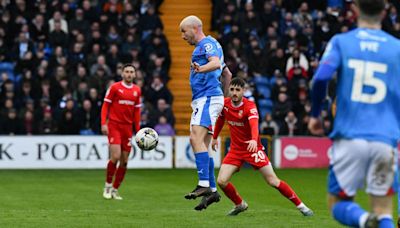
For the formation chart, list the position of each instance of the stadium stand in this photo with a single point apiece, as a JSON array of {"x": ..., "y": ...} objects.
[
  {"x": 276, "y": 44},
  {"x": 58, "y": 57}
]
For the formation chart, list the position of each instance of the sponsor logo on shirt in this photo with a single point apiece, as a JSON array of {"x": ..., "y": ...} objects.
[
  {"x": 234, "y": 123},
  {"x": 126, "y": 102}
]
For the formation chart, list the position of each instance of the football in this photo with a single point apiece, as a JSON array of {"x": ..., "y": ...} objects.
[{"x": 146, "y": 138}]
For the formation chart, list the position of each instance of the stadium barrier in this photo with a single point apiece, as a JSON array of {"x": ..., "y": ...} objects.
[
  {"x": 301, "y": 152},
  {"x": 74, "y": 152},
  {"x": 91, "y": 152},
  {"x": 184, "y": 157}
]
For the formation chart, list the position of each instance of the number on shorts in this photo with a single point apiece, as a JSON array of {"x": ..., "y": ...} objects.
[{"x": 258, "y": 156}]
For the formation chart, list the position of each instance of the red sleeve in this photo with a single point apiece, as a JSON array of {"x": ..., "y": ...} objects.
[
  {"x": 253, "y": 120},
  {"x": 104, "y": 112},
  {"x": 219, "y": 125},
  {"x": 254, "y": 128},
  {"x": 136, "y": 112},
  {"x": 106, "y": 105}
]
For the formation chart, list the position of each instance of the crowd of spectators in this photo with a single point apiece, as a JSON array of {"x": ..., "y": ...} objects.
[
  {"x": 276, "y": 46},
  {"x": 57, "y": 58}
]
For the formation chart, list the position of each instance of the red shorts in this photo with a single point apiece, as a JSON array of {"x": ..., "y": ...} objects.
[
  {"x": 120, "y": 134},
  {"x": 257, "y": 159}
]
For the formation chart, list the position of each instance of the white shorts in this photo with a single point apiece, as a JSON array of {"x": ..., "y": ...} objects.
[
  {"x": 357, "y": 161},
  {"x": 206, "y": 111}
]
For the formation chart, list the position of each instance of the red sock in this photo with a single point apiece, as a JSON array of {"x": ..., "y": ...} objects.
[
  {"x": 288, "y": 192},
  {"x": 111, "y": 167},
  {"x": 119, "y": 177},
  {"x": 232, "y": 194}
]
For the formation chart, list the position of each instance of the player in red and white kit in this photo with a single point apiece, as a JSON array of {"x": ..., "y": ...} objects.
[
  {"x": 242, "y": 118},
  {"x": 120, "y": 114}
]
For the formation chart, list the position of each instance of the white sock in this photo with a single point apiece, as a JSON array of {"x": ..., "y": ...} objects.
[
  {"x": 204, "y": 183},
  {"x": 213, "y": 189},
  {"x": 301, "y": 206},
  {"x": 108, "y": 185},
  {"x": 363, "y": 219}
]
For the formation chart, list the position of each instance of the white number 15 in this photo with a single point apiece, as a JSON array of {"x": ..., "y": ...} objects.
[{"x": 364, "y": 76}]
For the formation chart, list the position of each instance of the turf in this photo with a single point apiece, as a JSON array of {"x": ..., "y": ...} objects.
[{"x": 154, "y": 198}]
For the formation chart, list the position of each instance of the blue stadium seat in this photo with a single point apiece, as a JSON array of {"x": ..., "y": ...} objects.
[
  {"x": 264, "y": 106},
  {"x": 8, "y": 68},
  {"x": 263, "y": 90},
  {"x": 261, "y": 80}
]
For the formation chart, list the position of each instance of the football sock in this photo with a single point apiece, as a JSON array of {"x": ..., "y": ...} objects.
[
  {"x": 385, "y": 221},
  {"x": 349, "y": 213},
  {"x": 232, "y": 194},
  {"x": 111, "y": 167},
  {"x": 202, "y": 161},
  {"x": 213, "y": 185},
  {"x": 288, "y": 192},
  {"x": 119, "y": 177}
]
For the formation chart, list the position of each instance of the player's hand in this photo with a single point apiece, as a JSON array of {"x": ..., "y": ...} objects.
[
  {"x": 252, "y": 147},
  {"x": 315, "y": 126},
  {"x": 196, "y": 67},
  {"x": 104, "y": 129},
  {"x": 214, "y": 144}
]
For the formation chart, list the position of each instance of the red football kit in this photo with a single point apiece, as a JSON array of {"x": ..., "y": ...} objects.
[
  {"x": 121, "y": 107},
  {"x": 243, "y": 125}
]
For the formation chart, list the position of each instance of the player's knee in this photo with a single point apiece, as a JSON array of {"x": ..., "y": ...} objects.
[
  {"x": 194, "y": 139},
  {"x": 273, "y": 181},
  {"x": 222, "y": 182}
]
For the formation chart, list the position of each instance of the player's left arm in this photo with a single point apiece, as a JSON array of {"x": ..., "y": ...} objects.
[
  {"x": 226, "y": 77},
  {"x": 217, "y": 129},
  {"x": 253, "y": 122},
  {"x": 136, "y": 112},
  {"x": 330, "y": 62}
]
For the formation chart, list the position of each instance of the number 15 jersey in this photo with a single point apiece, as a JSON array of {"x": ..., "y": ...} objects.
[{"x": 368, "y": 87}]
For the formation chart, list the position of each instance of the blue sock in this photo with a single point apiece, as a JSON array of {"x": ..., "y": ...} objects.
[
  {"x": 213, "y": 185},
  {"x": 386, "y": 221},
  {"x": 348, "y": 213},
  {"x": 202, "y": 161}
]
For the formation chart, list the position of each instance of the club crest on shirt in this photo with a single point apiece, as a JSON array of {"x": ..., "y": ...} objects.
[
  {"x": 226, "y": 109},
  {"x": 135, "y": 93},
  {"x": 208, "y": 47},
  {"x": 240, "y": 113},
  {"x": 253, "y": 111}
]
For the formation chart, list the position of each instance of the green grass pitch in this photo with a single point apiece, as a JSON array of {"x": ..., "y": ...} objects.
[{"x": 154, "y": 198}]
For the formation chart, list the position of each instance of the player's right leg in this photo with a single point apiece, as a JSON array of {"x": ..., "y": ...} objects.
[
  {"x": 197, "y": 136},
  {"x": 214, "y": 196},
  {"x": 114, "y": 140},
  {"x": 115, "y": 154},
  {"x": 225, "y": 174},
  {"x": 348, "y": 164}
]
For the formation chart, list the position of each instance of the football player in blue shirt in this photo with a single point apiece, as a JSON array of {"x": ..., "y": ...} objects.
[
  {"x": 367, "y": 121},
  {"x": 207, "y": 102}
]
